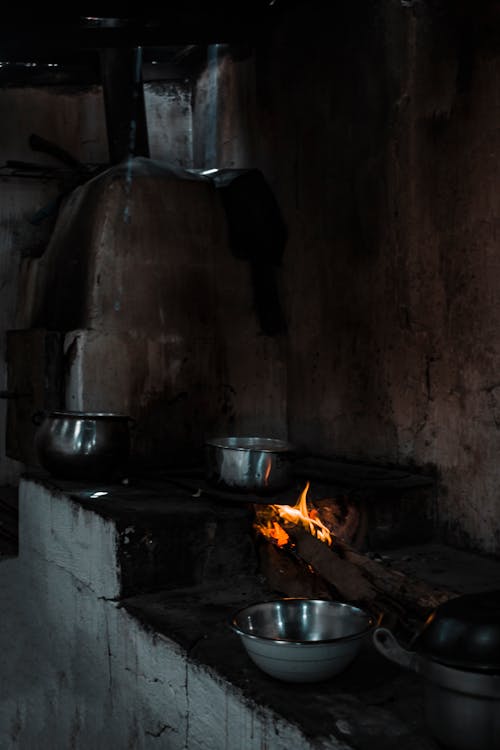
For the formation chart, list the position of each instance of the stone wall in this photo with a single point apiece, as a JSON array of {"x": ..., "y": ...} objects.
[
  {"x": 73, "y": 118},
  {"x": 378, "y": 135},
  {"x": 378, "y": 132}
]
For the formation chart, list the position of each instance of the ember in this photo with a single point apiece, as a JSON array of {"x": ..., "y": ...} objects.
[
  {"x": 268, "y": 525},
  {"x": 272, "y": 530}
]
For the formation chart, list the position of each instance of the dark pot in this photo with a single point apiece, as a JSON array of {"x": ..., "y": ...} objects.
[
  {"x": 83, "y": 445},
  {"x": 457, "y": 655}
]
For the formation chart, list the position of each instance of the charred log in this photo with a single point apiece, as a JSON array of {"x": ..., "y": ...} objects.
[
  {"x": 310, "y": 568},
  {"x": 368, "y": 582},
  {"x": 288, "y": 575}
]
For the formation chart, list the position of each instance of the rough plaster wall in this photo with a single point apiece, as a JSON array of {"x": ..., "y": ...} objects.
[
  {"x": 443, "y": 345},
  {"x": 251, "y": 365},
  {"x": 77, "y": 671},
  {"x": 75, "y": 121},
  {"x": 379, "y": 135},
  {"x": 224, "y": 114},
  {"x": 168, "y": 311},
  {"x": 168, "y": 113},
  {"x": 247, "y": 402}
]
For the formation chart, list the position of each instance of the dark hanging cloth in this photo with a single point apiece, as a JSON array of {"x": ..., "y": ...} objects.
[{"x": 257, "y": 233}]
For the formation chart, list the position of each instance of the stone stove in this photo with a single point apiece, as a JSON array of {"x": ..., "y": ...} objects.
[
  {"x": 177, "y": 529},
  {"x": 128, "y": 590}
]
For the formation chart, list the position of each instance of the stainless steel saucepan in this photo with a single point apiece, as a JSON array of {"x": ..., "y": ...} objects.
[{"x": 250, "y": 464}]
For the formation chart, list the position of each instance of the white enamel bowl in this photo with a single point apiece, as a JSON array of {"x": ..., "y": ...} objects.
[{"x": 302, "y": 640}]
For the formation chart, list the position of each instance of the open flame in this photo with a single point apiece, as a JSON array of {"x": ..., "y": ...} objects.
[
  {"x": 268, "y": 525},
  {"x": 273, "y": 530}
]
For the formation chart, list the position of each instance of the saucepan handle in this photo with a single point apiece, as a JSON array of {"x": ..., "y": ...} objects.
[
  {"x": 385, "y": 642},
  {"x": 38, "y": 417}
]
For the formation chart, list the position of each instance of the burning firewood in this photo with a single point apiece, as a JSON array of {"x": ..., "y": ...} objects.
[
  {"x": 360, "y": 579},
  {"x": 347, "y": 578},
  {"x": 289, "y": 575},
  {"x": 325, "y": 518},
  {"x": 302, "y": 547}
]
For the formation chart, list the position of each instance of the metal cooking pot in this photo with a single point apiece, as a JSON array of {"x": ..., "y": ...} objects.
[
  {"x": 83, "y": 445},
  {"x": 250, "y": 464},
  {"x": 464, "y": 632},
  {"x": 457, "y": 655}
]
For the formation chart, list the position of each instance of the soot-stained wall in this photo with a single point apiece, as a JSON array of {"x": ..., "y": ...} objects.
[
  {"x": 379, "y": 133},
  {"x": 73, "y": 118}
]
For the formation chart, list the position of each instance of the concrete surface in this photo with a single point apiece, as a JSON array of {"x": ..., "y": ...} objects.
[{"x": 82, "y": 668}]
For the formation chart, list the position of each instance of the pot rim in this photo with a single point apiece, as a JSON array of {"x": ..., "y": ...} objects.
[
  {"x": 88, "y": 415},
  {"x": 294, "y": 641},
  {"x": 466, "y": 681},
  {"x": 245, "y": 443}
]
